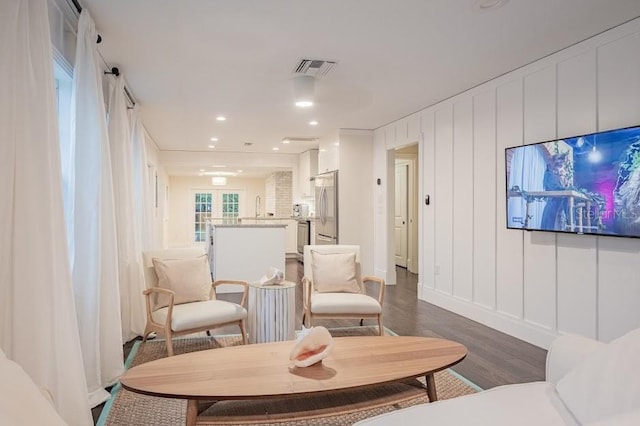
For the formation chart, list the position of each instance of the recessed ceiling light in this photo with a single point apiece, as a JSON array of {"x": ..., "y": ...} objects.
[
  {"x": 285, "y": 141},
  {"x": 221, "y": 118},
  {"x": 218, "y": 166},
  {"x": 313, "y": 123},
  {"x": 214, "y": 139},
  {"x": 211, "y": 146},
  {"x": 275, "y": 148},
  {"x": 239, "y": 171},
  {"x": 202, "y": 170},
  {"x": 304, "y": 104},
  {"x": 488, "y": 4}
]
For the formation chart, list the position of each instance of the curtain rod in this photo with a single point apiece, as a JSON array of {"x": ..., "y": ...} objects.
[
  {"x": 79, "y": 9},
  {"x": 113, "y": 70}
]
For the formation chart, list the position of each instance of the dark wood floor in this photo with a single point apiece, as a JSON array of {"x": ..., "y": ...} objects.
[{"x": 494, "y": 358}]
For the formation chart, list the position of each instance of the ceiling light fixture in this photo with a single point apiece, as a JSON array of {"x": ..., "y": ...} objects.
[
  {"x": 211, "y": 146},
  {"x": 214, "y": 139},
  {"x": 221, "y": 118},
  {"x": 313, "y": 123},
  {"x": 303, "y": 90},
  {"x": 239, "y": 171},
  {"x": 220, "y": 173},
  {"x": 218, "y": 180},
  {"x": 275, "y": 148},
  {"x": 286, "y": 141}
]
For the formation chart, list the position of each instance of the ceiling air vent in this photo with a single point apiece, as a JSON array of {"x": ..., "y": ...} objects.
[{"x": 314, "y": 67}]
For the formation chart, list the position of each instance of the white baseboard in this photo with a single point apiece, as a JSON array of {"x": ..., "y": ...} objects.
[{"x": 515, "y": 327}]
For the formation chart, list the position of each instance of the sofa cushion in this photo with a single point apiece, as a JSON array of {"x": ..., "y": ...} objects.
[
  {"x": 189, "y": 279},
  {"x": 632, "y": 418},
  {"x": 606, "y": 383},
  {"x": 21, "y": 401},
  {"x": 200, "y": 314},
  {"x": 334, "y": 272},
  {"x": 344, "y": 303},
  {"x": 525, "y": 404}
]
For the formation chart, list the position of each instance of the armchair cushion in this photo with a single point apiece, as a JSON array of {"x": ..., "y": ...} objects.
[
  {"x": 344, "y": 303},
  {"x": 189, "y": 279},
  {"x": 335, "y": 272},
  {"x": 200, "y": 314},
  {"x": 606, "y": 383}
]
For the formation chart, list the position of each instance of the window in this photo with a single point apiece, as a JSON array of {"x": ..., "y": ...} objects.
[
  {"x": 221, "y": 206},
  {"x": 202, "y": 212}
]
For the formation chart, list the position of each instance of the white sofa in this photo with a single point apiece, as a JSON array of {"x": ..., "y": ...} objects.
[
  {"x": 21, "y": 401},
  {"x": 587, "y": 383}
]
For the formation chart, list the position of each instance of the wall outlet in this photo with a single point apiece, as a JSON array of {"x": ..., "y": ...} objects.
[{"x": 437, "y": 270}]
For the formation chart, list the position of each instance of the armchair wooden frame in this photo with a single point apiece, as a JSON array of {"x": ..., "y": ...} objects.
[
  {"x": 309, "y": 316},
  {"x": 165, "y": 328},
  {"x": 364, "y": 283}
]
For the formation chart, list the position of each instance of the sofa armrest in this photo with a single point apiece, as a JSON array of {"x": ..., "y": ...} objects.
[{"x": 566, "y": 352}]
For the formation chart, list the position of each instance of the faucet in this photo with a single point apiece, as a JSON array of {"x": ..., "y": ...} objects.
[{"x": 257, "y": 205}]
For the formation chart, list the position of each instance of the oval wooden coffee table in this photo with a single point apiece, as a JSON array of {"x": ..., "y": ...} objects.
[{"x": 264, "y": 370}]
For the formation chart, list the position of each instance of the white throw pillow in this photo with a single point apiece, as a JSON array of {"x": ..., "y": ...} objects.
[
  {"x": 606, "y": 383},
  {"x": 334, "y": 272},
  {"x": 189, "y": 279}
]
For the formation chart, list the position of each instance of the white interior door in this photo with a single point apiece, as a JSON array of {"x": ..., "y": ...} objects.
[{"x": 401, "y": 210}]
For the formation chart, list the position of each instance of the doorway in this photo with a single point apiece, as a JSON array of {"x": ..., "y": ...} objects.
[{"x": 405, "y": 223}]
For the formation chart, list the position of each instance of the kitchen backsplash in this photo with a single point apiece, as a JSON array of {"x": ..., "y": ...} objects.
[{"x": 278, "y": 189}]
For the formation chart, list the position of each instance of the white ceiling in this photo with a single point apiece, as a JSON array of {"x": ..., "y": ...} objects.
[{"x": 188, "y": 61}]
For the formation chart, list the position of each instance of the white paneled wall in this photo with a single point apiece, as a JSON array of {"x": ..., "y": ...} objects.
[{"x": 532, "y": 285}]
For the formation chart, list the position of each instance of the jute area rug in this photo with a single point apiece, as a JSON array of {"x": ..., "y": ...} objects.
[{"x": 338, "y": 408}]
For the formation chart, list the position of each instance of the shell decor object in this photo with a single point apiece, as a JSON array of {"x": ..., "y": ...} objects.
[{"x": 314, "y": 344}]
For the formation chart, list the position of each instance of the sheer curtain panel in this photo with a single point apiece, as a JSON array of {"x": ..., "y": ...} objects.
[
  {"x": 38, "y": 327},
  {"x": 129, "y": 252},
  {"x": 142, "y": 189},
  {"x": 95, "y": 258}
]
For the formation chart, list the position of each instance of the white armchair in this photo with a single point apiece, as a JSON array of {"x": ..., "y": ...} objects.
[
  {"x": 182, "y": 300},
  {"x": 587, "y": 383},
  {"x": 333, "y": 286}
]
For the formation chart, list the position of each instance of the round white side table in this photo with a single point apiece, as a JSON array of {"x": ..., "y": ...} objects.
[{"x": 272, "y": 312}]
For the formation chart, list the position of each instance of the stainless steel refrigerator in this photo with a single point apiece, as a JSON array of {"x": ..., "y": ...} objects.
[{"x": 327, "y": 208}]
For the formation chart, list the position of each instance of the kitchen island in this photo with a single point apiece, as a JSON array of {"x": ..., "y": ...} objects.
[{"x": 246, "y": 251}]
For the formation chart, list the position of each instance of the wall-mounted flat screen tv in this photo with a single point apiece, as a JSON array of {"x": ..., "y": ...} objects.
[{"x": 587, "y": 184}]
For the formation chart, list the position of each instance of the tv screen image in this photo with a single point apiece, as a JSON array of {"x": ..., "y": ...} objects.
[{"x": 587, "y": 184}]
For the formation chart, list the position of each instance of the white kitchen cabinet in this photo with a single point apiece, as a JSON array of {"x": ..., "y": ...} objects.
[
  {"x": 307, "y": 168},
  {"x": 291, "y": 237},
  {"x": 328, "y": 156}
]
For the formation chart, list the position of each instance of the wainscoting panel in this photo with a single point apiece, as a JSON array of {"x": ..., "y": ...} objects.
[
  {"x": 444, "y": 202},
  {"x": 509, "y": 243},
  {"x": 484, "y": 199},
  {"x": 428, "y": 153},
  {"x": 462, "y": 200}
]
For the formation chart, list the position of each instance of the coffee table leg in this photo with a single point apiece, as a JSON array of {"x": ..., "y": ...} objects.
[
  {"x": 431, "y": 387},
  {"x": 192, "y": 412}
]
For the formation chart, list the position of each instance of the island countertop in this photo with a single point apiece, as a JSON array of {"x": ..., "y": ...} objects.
[{"x": 250, "y": 225}]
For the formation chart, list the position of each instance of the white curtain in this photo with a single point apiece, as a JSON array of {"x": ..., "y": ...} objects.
[
  {"x": 142, "y": 185},
  {"x": 95, "y": 254},
  {"x": 527, "y": 173},
  {"x": 38, "y": 327},
  {"x": 132, "y": 304}
]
